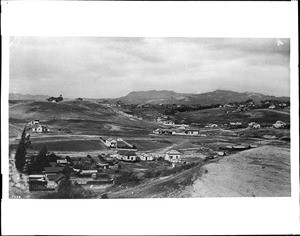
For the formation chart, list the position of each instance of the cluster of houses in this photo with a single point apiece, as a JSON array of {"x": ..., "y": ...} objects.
[
  {"x": 50, "y": 178},
  {"x": 281, "y": 105},
  {"x": 37, "y": 127}
]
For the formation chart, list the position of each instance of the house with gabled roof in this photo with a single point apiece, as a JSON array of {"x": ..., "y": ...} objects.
[
  {"x": 146, "y": 157},
  {"x": 111, "y": 142},
  {"x": 172, "y": 155},
  {"x": 192, "y": 132},
  {"x": 126, "y": 155},
  {"x": 38, "y": 128}
]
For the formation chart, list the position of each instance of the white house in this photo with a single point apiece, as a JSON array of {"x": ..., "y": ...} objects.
[
  {"x": 254, "y": 125},
  {"x": 272, "y": 106},
  {"x": 157, "y": 131},
  {"x": 279, "y": 124},
  {"x": 168, "y": 122},
  {"x": 212, "y": 126},
  {"x": 62, "y": 161},
  {"x": 34, "y": 122},
  {"x": 127, "y": 155},
  {"x": 146, "y": 157},
  {"x": 182, "y": 126},
  {"x": 38, "y": 128},
  {"x": 172, "y": 155},
  {"x": 178, "y": 132},
  {"x": 111, "y": 142},
  {"x": 192, "y": 132}
]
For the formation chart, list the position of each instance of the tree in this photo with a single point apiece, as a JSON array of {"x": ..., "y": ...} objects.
[
  {"x": 42, "y": 160},
  {"x": 21, "y": 151}
]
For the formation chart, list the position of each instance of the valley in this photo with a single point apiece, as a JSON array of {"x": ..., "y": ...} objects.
[{"x": 208, "y": 165}]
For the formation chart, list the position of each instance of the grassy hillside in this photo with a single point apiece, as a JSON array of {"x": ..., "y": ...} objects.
[
  {"x": 78, "y": 116},
  {"x": 226, "y": 115}
]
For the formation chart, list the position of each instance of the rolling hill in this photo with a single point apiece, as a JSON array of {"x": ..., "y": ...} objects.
[
  {"x": 170, "y": 97},
  {"x": 83, "y": 117},
  {"x": 18, "y": 96}
]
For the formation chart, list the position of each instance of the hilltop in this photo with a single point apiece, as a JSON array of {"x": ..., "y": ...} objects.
[
  {"x": 78, "y": 116},
  {"x": 171, "y": 97},
  {"x": 18, "y": 96}
]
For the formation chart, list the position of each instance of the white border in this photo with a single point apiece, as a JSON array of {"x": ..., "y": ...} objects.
[{"x": 157, "y": 216}]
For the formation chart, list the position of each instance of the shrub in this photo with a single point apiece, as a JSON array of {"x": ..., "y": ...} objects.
[{"x": 127, "y": 177}]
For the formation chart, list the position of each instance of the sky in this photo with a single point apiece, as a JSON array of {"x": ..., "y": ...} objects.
[{"x": 100, "y": 67}]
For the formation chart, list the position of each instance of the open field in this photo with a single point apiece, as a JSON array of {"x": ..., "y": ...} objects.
[{"x": 226, "y": 115}]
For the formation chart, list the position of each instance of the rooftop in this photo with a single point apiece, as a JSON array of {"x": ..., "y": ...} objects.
[
  {"x": 125, "y": 153},
  {"x": 53, "y": 169},
  {"x": 173, "y": 152}
]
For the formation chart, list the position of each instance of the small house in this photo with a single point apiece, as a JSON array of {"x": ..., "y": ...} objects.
[
  {"x": 192, "y": 132},
  {"x": 168, "y": 122},
  {"x": 157, "y": 131},
  {"x": 34, "y": 122},
  {"x": 272, "y": 106},
  {"x": 254, "y": 125},
  {"x": 146, "y": 157},
  {"x": 53, "y": 180},
  {"x": 127, "y": 155},
  {"x": 62, "y": 161},
  {"x": 178, "y": 132},
  {"x": 88, "y": 172},
  {"x": 52, "y": 172},
  {"x": 38, "y": 128},
  {"x": 111, "y": 142},
  {"x": 172, "y": 155},
  {"x": 279, "y": 125}
]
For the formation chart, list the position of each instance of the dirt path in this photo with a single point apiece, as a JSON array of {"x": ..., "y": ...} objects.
[{"x": 275, "y": 111}]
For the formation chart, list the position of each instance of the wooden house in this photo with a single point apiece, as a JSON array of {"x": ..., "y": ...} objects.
[
  {"x": 127, "y": 155},
  {"x": 172, "y": 155}
]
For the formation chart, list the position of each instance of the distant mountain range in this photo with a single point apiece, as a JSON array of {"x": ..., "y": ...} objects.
[
  {"x": 171, "y": 97},
  {"x": 18, "y": 96}
]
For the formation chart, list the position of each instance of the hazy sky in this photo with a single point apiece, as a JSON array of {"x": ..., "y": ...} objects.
[{"x": 112, "y": 67}]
